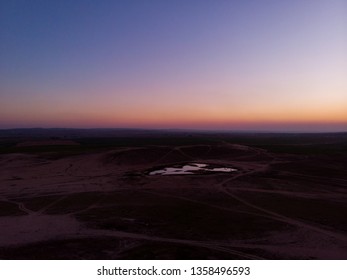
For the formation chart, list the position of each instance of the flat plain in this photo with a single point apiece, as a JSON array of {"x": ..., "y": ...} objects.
[{"x": 89, "y": 195}]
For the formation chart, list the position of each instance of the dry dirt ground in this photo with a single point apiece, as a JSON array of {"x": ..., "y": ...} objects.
[{"x": 105, "y": 205}]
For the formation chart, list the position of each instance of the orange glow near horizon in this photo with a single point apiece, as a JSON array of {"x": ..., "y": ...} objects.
[
  {"x": 221, "y": 66},
  {"x": 175, "y": 116}
]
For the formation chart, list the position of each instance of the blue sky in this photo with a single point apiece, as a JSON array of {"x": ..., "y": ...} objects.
[{"x": 182, "y": 64}]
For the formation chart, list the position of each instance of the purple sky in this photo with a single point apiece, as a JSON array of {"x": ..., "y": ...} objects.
[{"x": 265, "y": 65}]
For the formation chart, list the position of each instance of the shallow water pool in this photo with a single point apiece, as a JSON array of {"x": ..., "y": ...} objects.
[{"x": 191, "y": 168}]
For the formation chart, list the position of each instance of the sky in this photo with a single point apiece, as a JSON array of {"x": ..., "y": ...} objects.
[{"x": 207, "y": 64}]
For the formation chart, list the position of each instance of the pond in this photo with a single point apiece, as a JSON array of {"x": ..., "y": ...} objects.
[{"x": 192, "y": 168}]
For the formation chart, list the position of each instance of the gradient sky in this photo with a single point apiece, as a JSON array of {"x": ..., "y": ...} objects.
[{"x": 218, "y": 64}]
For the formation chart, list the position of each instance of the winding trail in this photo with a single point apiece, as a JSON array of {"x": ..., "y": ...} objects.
[
  {"x": 211, "y": 246},
  {"x": 272, "y": 214},
  {"x": 223, "y": 187}
]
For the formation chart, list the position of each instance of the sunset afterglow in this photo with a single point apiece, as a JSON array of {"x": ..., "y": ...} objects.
[{"x": 238, "y": 65}]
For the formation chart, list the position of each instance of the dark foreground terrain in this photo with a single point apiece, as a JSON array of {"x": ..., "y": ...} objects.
[{"x": 88, "y": 195}]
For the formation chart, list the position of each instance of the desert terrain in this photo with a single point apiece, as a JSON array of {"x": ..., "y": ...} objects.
[{"x": 90, "y": 195}]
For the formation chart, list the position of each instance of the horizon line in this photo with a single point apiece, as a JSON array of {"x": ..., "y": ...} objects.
[{"x": 303, "y": 131}]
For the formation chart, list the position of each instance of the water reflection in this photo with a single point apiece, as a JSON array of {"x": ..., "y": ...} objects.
[{"x": 191, "y": 168}]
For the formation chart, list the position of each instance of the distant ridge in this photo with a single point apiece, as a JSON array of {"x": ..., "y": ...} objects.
[{"x": 130, "y": 132}]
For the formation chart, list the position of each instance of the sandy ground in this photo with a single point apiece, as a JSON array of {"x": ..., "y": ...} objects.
[{"x": 105, "y": 205}]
